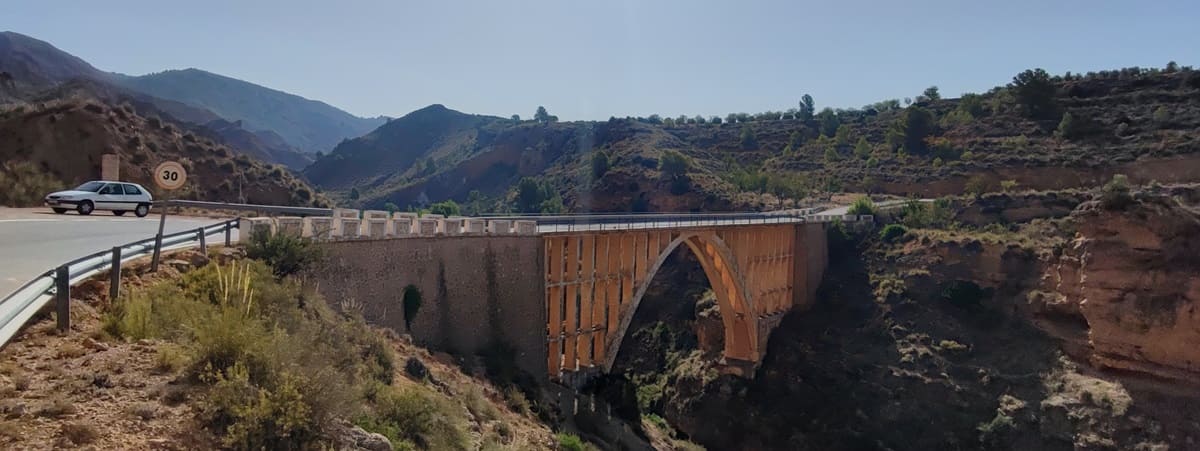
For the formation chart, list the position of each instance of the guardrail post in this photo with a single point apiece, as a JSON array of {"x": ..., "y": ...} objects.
[
  {"x": 228, "y": 233},
  {"x": 62, "y": 297},
  {"x": 114, "y": 277},
  {"x": 203, "y": 246},
  {"x": 162, "y": 221}
]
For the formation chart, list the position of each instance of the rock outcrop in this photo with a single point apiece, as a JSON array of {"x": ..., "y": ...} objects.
[{"x": 1135, "y": 276}]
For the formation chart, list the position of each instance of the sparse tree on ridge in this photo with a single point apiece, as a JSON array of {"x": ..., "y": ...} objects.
[
  {"x": 541, "y": 115},
  {"x": 516, "y": 118},
  {"x": 931, "y": 94},
  {"x": 807, "y": 108},
  {"x": 1034, "y": 92}
]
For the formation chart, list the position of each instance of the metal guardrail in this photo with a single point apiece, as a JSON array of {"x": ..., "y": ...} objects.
[{"x": 18, "y": 307}]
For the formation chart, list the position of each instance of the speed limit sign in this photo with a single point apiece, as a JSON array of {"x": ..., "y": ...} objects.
[{"x": 170, "y": 175}]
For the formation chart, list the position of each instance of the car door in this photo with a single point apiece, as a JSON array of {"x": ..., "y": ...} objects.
[
  {"x": 133, "y": 195},
  {"x": 111, "y": 197}
]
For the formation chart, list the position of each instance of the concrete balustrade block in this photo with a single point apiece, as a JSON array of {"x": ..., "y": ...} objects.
[
  {"x": 499, "y": 227},
  {"x": 290, "y": 225},
  {"x": 401, "y": 227},
  {"x": 258, "y": 225},
  {"x": 849, "y": 218},
  {"x": 375, "y": 214},
  {"x": 319, "y": 228},
  {"x": 525, "y": 227},
  {"x": 346, "y": 213},
  {"x": 866, "y": 218},
  {"x": 427, "y": 226},
  {"x": 351, "y": 228},
  {"x": 375, "y": 228},
  {"x": 474, "y": 227},
  {"x": 452, "y": 226}
]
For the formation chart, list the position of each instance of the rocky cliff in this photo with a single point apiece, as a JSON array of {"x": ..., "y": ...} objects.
[{"x": 1133, "y": 275}]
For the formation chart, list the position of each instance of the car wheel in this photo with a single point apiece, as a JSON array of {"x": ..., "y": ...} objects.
[
  {"x": 119, "y": 212},
  {"x": 59, "y": 210},
  {"x": 85, "y": 207},
  {"x": 142, "y": 210}
]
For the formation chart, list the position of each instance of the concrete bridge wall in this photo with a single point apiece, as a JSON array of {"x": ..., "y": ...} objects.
[{"x": 476, "y": 290}]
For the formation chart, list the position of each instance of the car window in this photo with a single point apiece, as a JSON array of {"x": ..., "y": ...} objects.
[
  {"x": 132, "y": 190},
  {"x": 90, "y": 186},
  {"x": 111, "y": 189}
]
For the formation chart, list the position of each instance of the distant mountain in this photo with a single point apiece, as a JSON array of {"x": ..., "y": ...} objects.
[
  {"x": 29, "y": 65},
  {"x": 389, "y": 152},
  {"x": 306, "y": 124},
  {"x": 32, "y": 64}
]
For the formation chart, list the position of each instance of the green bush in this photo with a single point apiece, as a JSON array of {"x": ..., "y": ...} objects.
[
  {"x": 276, "y": 366},
  {"x": 445, "y": 208},
  {"x": 414, "y": 415},
  {"x": 287, "y": 254},
  {"x": 23, "y": 184},
  {"x": 1115, "y": 194},
  {"x": 862, "y": 206},
  {"x": 570, "y": 442},
  {"x": 892, "y": 232}
]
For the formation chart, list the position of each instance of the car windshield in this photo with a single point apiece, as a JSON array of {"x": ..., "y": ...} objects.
[{"x": 90, "y": 186}]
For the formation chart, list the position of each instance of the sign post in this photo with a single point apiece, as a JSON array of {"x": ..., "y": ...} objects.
[{"x": 169, "y": 176}]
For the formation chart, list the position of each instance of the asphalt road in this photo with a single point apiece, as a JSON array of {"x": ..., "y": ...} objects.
[{"x": 33, "y": 240}]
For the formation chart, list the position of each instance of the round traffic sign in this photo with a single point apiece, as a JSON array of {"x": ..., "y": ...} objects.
[{"x": 170, "y": 175}]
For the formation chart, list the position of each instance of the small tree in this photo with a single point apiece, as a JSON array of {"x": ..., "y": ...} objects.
[
  {"x": 541, "y": 115},
  {"x": 842, "y": 136},
  {"x": 516, "y": 118},
  {"x": 700, "y": 119},
  {"x": 1115, "y": 194},
  {"x": 715, "y": 120},
  {"x": 831, "y": 154},
  {"x": 1008, "y": 185},
  {"x": 748, "y": 140},
  {"x": 674, "y": 164},
  {"x": 931, "y": 94},
  {"x": 445, "y": 208},
  {"x": 975, "y": 186},
  {"x": 829, "y": 122},
  {"x": 1161, "y": 116},
  {"x": 1034, "y": 92},
  {"x": 1068, "y": 127},
  {"x": 862, "y": 206},
  {"x": 731, "y": 118},
  {"x": 354, "y": 194},
  {"x": 600, "y": 164},
  {"x": 391, "y": 207},
  {"x": 807, "y": 108}
]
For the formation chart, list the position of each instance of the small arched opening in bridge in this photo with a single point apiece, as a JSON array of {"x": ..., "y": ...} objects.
[{"x": 740, "y": 340}]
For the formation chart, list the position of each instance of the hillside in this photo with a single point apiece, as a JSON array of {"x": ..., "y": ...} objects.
[
  {"x": 58, "y": 143},
  {"x": 1086, "y": 128},
  {"x": 306, "y": 124},
  {"x": 29, "y": 66}
]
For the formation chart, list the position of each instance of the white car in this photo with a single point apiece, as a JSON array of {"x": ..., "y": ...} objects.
[{"x": 118, "y": 197}]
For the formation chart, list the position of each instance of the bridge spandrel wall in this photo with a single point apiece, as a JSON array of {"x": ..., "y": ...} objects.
[{"x": 476, "y": 290}]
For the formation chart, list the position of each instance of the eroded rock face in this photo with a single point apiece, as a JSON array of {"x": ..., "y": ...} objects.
[{"x": 1138, "y": 286}]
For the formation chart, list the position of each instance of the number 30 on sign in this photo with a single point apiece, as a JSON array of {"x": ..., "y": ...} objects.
[{"x": 170, "y": 175}]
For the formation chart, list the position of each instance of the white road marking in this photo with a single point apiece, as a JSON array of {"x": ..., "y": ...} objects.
[{"x": 74, "y": 220}]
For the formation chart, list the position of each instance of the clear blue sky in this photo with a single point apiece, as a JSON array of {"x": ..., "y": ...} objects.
[{"x": 590, "y": 60}]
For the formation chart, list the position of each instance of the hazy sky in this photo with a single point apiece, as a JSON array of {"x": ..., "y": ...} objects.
[{"x": 590, "y": 60}]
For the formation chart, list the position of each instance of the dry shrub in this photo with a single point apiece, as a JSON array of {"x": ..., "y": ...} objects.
[{"x": 79, "y": 433}]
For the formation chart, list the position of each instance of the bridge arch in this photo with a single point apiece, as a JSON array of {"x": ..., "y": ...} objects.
[{"x": 733, "y": 299}]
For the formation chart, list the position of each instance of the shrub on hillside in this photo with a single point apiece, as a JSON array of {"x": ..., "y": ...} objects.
[
  {"x": 287, "y": 254},
  {"x": 445, "y": 208},
  {"x": 23, "y": 184},
  {"x": 600, "y": 164},
  {"x": 1115, "y": 194},
  {"x": 276, "y": 366},
  {"x": 862, "y": 206},
  {"x": 892, "y": 232}
]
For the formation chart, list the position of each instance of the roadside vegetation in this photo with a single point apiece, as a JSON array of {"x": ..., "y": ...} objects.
[{"x": 274, "y": 367}]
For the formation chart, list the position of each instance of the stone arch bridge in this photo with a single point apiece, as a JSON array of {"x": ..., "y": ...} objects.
[{"x": 556, "y": 294}]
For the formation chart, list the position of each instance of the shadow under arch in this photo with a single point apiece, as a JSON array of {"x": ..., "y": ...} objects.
[{"x": 725, "y": 278}]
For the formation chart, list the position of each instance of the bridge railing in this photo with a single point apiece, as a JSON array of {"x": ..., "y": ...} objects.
[{"x": 19, "y": 306}]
